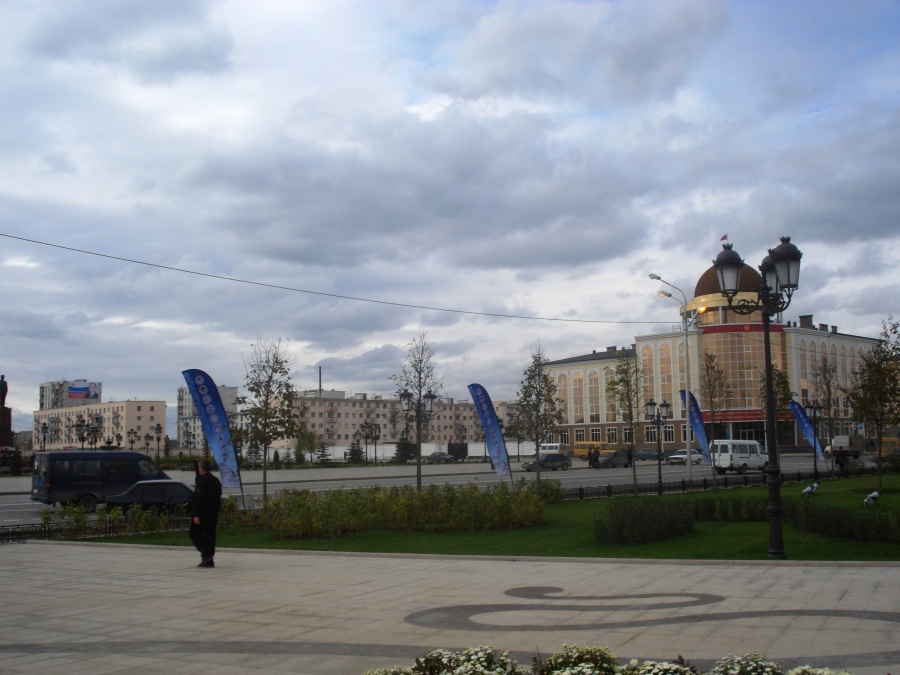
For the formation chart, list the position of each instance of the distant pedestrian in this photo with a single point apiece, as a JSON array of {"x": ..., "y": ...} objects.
[{"x": 205, "y": 513}]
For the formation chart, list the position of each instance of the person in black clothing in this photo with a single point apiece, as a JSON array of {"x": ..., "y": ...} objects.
[{"x": 205, "y": 513}]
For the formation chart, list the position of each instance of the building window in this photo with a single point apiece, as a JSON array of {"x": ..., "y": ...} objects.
[
  {"x": 685, "y": 429},
  {"x": 628, "y": 435},
  {"x": 579, "y": 435},
  {"x": 564, "y": 437},
  {"x": 612, "y": 435},
  {"x": 669, "y": 432},
  {"x": 650, "y": 434},
  {"x": 596, "y": 435}
]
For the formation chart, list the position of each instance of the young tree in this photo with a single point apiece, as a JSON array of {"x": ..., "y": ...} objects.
[
  {"x": 269, "y": 400},
  {"x": 781, "y": 386},
  {"x": 874, "y": 392},
  {"x": 419, "y": 378},
  {"x": 322, "y": 454},
  {"x": 287, "y": 459},
  {"x": 824, "y": 374},
  {"x": 355, "y": 452},
  {"x": 626, "y": 390},
  {"x": 716, "y": 393},
  {"x": 539, "y": 412}
]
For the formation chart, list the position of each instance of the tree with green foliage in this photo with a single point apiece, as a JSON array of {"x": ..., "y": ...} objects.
[
  {"x": 287, "y": 459},
  {"x": 626, "y": 389},
  {"x": 276, "y": 460},
  {"x": 269, "y": 400},
  {"x": 539, "y": 412},
  {"x": 355, "y": 452},
  {"x": 323, "y": 456},
  {"x": 874, "y": 391}
]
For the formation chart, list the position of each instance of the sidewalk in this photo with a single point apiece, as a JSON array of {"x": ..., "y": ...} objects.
[{"x": 107, "y": 608}]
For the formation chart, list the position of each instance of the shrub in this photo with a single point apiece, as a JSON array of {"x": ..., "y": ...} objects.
[
  {"x": 855, "y": 523},
  {"x": 746, "y": 664},
  {"x": 640, "y": 521},
  {"x": 578, "y": 661}
]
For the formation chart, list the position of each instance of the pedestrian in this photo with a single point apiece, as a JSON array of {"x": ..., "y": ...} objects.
[{"x": 205, "y": 513}]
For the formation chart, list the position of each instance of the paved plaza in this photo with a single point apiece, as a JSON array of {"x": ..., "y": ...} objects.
[{"x": 110, "y": 608}]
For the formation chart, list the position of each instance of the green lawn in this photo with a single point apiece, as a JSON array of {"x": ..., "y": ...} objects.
[{"x": 568, "y": 532}]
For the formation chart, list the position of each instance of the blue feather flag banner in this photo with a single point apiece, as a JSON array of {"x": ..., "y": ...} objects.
[
  {"x": 215, "y": 425},
  {"x": 807, "y": 427},
  {"x": 493, "y": 435},
  {"x": 696, "y": 418}
]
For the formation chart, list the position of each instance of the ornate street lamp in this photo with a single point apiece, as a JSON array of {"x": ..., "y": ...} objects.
[
  {"x": 147, "y": 439},
  {"x": 158, "y": 431},
  {"x": 79, "y": 430},
  {"x": 44, "y": 430},
  {"x": 813, "y": 408},
  {"x": 118, "y": 441},
  {"x": 658, "y": 414},
  {"x": 132, "y": 437},
  {"x": 418, "y": 411},
  {"x": 780, "y": 278}
]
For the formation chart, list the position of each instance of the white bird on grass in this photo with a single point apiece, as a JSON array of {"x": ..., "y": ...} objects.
[{"x": 811, "y": 490}]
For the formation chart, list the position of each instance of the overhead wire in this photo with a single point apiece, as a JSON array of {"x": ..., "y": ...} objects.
[{"x": 336, "y": 296}]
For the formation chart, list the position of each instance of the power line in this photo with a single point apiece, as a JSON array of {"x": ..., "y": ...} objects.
[{"x": 337, "y": 296}]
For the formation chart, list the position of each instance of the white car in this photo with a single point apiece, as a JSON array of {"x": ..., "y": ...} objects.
[{"x": 679, "y": 456}]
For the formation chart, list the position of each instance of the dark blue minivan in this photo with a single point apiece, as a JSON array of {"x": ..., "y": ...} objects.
[{"x": 88, "y": 478}]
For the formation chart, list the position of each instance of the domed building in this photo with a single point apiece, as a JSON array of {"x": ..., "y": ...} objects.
[{"x": 718, "y": 338}]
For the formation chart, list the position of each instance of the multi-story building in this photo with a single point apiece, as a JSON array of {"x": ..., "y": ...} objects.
[
  {"x": 189, "y": 428},
  {"x": 132, "y": 424},
  {"x": 68, "y": 393},
  {"x": 737, "y": 343}
]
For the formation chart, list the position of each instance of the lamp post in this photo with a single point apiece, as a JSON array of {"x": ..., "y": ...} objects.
[
  {"x": 687, "y": 369},
  {"x": 658, "y": 414},
  {"x": 419, "y": 411},
  {"x": 118, "y": 441},
  {"x": 780, "y": 276},
  {"x": 372, "y": 432},
  {"x": 79, "y": 430},
  {"x": 44, "y": 430},
  {"x": 157, "y": 430},
  {"x": 813, "y": 408},
  {"x": 132, "y": 437},
  {"x": 147, "y": 439}
]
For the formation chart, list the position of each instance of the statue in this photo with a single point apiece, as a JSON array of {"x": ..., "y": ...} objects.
[{"x": 4, "y": 387}]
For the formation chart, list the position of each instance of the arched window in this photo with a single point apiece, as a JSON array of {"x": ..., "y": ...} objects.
[
  {"x": 609, "y": 375},
  {"x": 578, "y": 398},
  {"x": 594, "y": 396},
  {"x": 647, "y": 367},
  {"x": 562, "y": 393}
]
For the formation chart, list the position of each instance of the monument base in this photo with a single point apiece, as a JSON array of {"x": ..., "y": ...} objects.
[{"x": 6, "y": 434}]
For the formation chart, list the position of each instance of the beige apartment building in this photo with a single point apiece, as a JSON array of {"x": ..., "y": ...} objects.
[
  {"x": 102, "y": 424},
  {"x": 737, "y": 343}
]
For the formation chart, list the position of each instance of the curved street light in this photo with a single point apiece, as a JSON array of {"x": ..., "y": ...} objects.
[{"x": 780, "y": 278}]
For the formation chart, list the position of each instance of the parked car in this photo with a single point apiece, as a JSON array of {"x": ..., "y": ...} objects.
[
  {"x": 440, "y": 458},
  {"x": 552, "y": 461},
  {"x": 646, "y": 454},
  {"x": 153, "y": 494},
  {"x": 613, "y": 459},
  {"x": 678, "y": 457}
]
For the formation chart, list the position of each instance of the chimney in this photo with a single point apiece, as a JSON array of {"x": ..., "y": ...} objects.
[
  {"x": 806, "y": 321},
  {"x": 610, "y": 350},
  {"x": 823, "y": 327},
  {"x": 834, "y": 329}
]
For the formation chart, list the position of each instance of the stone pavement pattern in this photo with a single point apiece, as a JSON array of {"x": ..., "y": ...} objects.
[{"x": 106, "y": 608}]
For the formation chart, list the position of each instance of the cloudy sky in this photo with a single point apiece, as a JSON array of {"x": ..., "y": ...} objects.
[{"x": 180, "y": 178}]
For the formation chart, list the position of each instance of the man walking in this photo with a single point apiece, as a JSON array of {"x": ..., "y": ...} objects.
[{"x": 205, "y": 513}]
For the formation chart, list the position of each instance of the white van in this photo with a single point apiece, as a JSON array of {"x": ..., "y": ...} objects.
[{"x": 737, "y": 456}]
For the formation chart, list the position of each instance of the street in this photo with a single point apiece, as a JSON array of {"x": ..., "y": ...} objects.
[{"x": 16, "y": 508}]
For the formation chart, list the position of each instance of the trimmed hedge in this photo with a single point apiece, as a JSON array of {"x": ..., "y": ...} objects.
[{"x": 645, "y": 520}]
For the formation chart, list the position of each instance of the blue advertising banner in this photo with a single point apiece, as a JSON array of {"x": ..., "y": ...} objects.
[
  {"x": 696, "y": 418},
  {"x": 806, "y": 426},
  {"x": 215, "y": 425},
  {"x": 493, "y": 435}
]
